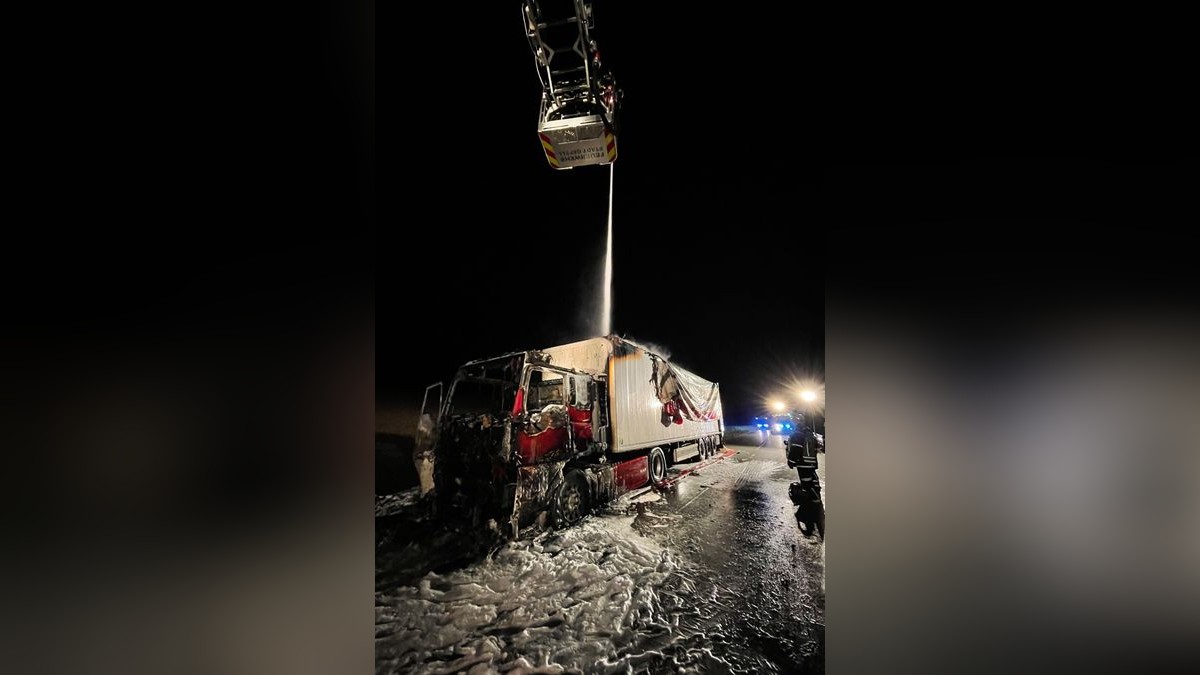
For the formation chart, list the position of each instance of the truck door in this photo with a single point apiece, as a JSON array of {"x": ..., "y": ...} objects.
[
  {"x": 545, "y": 432},
  {"x": 579, "y": 408},
  {"x": 423, "y": 449}
]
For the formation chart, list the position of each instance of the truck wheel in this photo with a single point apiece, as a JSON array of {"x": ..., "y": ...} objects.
[
  {"x": 573, "y": 501},
  {"x": 656, "y": 465}
]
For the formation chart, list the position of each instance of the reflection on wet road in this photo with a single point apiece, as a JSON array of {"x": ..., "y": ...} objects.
[{"x": 759, "y": 580}]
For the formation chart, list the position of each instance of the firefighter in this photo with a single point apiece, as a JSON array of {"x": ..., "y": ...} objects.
[
  {"x": 806, "y": 493},
  {"x": 802, "y": 451}
]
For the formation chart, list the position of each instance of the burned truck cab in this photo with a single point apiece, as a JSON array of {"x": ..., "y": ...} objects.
[{"x": 499, "y": 443}]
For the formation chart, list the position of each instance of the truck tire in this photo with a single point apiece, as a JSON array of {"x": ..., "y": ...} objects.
[
  {"x": 573, "y": 501},
  {"x": 656, "y": 466}
]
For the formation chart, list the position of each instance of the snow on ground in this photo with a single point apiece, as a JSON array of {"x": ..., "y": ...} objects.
[{"x": 594, "y": 597}]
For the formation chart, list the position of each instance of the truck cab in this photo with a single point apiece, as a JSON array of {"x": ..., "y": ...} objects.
[{"x": 507, "y": 427}]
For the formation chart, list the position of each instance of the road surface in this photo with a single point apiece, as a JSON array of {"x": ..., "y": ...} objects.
[{"x": 709, "y": 575}]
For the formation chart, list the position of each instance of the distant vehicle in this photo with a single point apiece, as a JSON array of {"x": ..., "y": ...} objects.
[
  {"x": 577, "y": 121},
  {"x": 775, "y": 424},
  {"x": 544, "y": 436}
]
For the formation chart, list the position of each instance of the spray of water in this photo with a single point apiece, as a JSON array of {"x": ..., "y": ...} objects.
[{"x": 606, "y": 312}]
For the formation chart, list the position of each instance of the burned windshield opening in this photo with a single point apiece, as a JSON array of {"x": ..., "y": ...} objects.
[
  {"x": 475, "y": 396},
  {"x": 486, "y": 387}
]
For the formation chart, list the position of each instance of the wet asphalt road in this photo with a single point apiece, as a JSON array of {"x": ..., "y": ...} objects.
[{"x": 759, "y": 579}]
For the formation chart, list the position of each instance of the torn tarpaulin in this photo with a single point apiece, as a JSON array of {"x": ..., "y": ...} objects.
[{"x": 683, "y": 394}]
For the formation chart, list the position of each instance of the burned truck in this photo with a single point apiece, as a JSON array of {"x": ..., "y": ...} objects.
[{"x": 543, "y": 436}]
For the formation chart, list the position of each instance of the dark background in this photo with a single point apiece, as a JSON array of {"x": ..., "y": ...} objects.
[
  {"x": 220, "y": 183},
  {"x": 718, "y": 256},
  {"x": 212, "y": 193},
  {"x": 192, "y": 253},
  {"x": 935, "y": 142}
]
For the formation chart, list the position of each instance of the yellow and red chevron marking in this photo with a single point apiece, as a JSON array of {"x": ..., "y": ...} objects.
[
  {"x": 610, "y": 146},
  {"x": 549, "y": 148}
]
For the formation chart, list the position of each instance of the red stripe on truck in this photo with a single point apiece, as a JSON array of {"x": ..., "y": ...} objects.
[{"x": 631, "y": 474}]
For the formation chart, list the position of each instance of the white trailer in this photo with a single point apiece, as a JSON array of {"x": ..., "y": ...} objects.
[{"x": 643, "y": 387}]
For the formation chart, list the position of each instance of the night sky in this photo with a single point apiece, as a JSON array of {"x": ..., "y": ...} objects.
[
  {"x": 715, "y": 257},
  {"x": 942, "y": 149}
]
